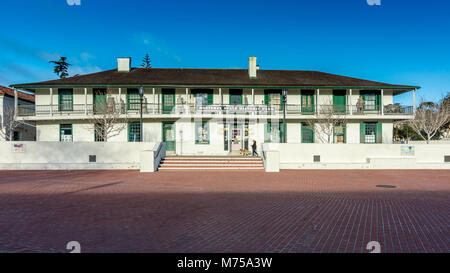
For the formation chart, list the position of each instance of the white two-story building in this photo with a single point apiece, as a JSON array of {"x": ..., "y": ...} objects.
[{"x": 217, "y": 111}]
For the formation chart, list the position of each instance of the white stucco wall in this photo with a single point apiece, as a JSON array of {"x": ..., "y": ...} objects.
[
  {"x": 72, "y": 155},
  {"x": 347, "y": 156}
]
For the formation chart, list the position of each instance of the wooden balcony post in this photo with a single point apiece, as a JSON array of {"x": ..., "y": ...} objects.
[
  {"x": 85, "y": 101},
  {"x": 350, "y": 99},
  {"x": 153, "y": 99},
  {"x": 51, "y": 101},
  {"x": 317, "y": 100},
  {"x": 381, "y": 102},
  {"x": 414, "y": 101},
  {"x": 253, "y": 96}
]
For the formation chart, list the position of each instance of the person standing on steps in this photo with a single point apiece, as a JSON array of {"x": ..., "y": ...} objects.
[{"x": 254, "y": 149}]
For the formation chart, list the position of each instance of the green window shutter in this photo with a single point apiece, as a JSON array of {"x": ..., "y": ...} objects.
[
  {"x": 210, "y": 97},
  {"x": 379, "y": 136},
  {"x": 378, "y": 100},
  {"x": 266, "y": 97},
  {"x": 362, "y": 132},
  {"x": 197, "y": 124},
  {"x": 266, "y": 132}
]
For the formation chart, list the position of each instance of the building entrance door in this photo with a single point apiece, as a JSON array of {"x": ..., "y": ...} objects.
[
  {"x": 168, "y": 135},
  {"x": 236, "y": 139}
]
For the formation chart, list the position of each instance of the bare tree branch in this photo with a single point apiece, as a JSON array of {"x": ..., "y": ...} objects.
[
  {"x": 329, "y": 116},
  {"x": 109, "y": 118},
  {"x": 8, "y": 123},
  {"x": 430, "y": 118}
]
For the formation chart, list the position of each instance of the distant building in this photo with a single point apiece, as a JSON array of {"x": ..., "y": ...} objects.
[
  {"x": 25, "y": 130},
  {"x": 217, "y": 111}
]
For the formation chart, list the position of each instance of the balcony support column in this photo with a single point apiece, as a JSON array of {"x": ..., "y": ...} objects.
[
  {"x": 350, "y": 97},
  {"x": 381, "y": 102},
  {"x": 85, "y": 101},
  {"x": 16, "y": 104},
  {"x": 51, "y": 101},
  {"x": 187, "y": 100},
  {"x": 153, "y": 99},
  {"x": 317, "y": 100},
  {"x": 253, "y": 96},
  {"x": 414, "y": 100}
]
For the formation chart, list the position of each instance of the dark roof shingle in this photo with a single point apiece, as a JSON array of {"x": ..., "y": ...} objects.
[{"x": 212, "y": 77}]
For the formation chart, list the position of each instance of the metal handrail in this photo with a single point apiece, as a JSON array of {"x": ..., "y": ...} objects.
[{"x": 194, "y": 108}]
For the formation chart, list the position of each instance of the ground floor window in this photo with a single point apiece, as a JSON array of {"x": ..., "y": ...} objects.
[
  {"x": 134, "y": 131},
  {"x": 202, "y": 132},
  {"x": 371, "y": 132},
  {"x": 307, "y": 133},
  {"x": 274, "y": 132},
  {"x": 339, "y": 133},
  {"x": 65, "y": 133},
  {"x": 99, "y": 132}
]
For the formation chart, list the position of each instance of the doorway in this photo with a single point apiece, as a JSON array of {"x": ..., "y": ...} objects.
[
  {"x": 168, "y": 135},
  {"x": 236, "y": 138}
]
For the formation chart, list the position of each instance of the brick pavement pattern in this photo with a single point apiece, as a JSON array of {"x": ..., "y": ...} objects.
[{"x": 208, "y": 211}]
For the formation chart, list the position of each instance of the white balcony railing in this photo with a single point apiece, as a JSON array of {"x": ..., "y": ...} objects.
[{"x": 213, "y": 109}]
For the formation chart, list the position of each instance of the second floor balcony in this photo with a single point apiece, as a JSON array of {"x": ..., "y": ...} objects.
[{"x": 158, "y": 109}]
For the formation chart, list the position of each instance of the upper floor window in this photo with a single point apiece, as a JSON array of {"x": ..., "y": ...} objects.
[
  {"x": 65, "y": 100},
  {"x": 203, "y": 96},
  {"x": 235, "y": 96},
  {"x": 371, "y": 100},
  {"x": 307, "y": 101},
  {"x": 133, "y": 99}
]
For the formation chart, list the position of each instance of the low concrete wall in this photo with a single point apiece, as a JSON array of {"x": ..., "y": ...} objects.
[
  {"x": 150, "y": 159},
  {"x": 271, "y": 160},
  {"x": 27, "y": 155},
  {"x": 361, "y": 156}
]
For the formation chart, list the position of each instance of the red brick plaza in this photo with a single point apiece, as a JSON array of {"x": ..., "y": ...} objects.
[{"x": 290, "y": 211}]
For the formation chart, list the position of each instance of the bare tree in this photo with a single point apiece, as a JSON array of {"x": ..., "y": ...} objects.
[
  {"x": 108, "y": 118},
  {"x": 328, "y": 117},
  {"x": 430, "y": 118},
  {"x": 8, "y": 123}
]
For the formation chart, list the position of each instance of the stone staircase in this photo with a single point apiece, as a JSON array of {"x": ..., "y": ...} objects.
[{"x": 211, "y": 163}]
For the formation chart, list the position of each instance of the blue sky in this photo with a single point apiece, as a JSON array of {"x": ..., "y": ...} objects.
[{"x": 400, "y": 42}]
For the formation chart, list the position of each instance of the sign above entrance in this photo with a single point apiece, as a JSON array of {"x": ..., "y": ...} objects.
[{"x": 237, "y": 109}]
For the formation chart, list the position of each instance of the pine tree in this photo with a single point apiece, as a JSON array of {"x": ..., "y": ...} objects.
[
  {"x": 61, "y": 67},
  {"x": 146, "y": 63}
]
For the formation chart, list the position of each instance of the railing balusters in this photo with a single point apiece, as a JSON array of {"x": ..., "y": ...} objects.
[{"x": 216, "y": 109}]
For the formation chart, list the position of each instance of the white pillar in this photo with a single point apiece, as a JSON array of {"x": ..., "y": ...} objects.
[
  {"x": 16, "y": 104},
  {"x": 220, "y": 96},
  {"x": 414, "y": 101},
  {"x": 153, "y": 99},
  {"x": 85, "y": 101},
  {"x": 253, "y": 96},
  {"x": 350, "y": 101},
  {"x": 381, "y": 102},
  {"x": 317, "y": 100},
  {"x": 187, "y": 100},
  {"x": 51, "y": 101}
]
